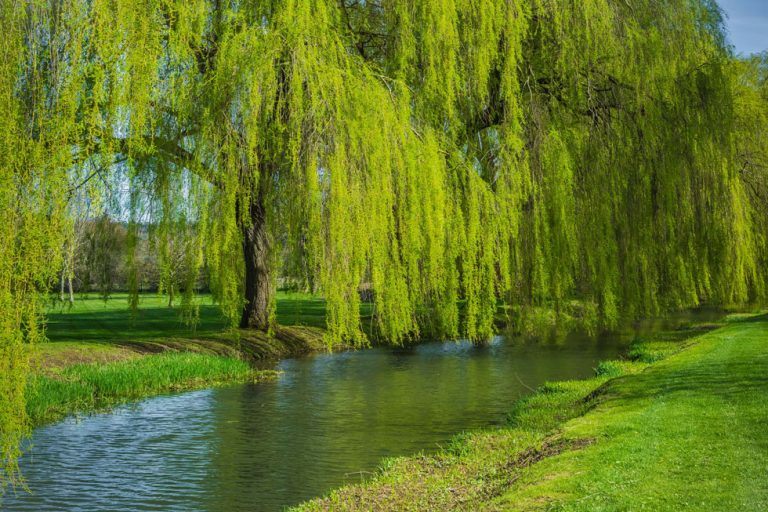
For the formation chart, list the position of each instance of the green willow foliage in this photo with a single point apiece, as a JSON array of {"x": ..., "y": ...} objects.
[
  {"x": 751, "y": 144},
  {"x": 603, "y": 159},
  {"x": 36, "y": 139}
]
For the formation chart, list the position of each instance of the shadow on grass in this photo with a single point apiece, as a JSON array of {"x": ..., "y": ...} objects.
[
  {"x": 110, "y": 324},
  {"x": 742, "y": 372}
]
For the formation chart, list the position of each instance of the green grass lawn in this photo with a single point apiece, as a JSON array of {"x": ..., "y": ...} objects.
[
  {"x": 93, "y": 319},
  {"x": 679, "y": 426},
  {"x": 93, "y": 330},
  {"x": 688, "y": 434}
]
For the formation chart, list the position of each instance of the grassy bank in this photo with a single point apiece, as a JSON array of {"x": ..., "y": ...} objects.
[
  {"x": 680, "y": 425},
  {"x": 101, "y": 354},
  {"x": 89, "y": 387}
]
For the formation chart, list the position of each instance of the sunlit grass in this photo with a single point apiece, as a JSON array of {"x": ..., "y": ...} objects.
[
  {"x": 92, "y": 318},
  {"x": 101, "y": 353},
  {"x": 87, "y": 387}
]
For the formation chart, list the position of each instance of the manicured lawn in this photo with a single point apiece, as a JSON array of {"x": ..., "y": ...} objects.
[
  {"x": 93, "y": 330},
  {"x": 687, "y": 434},
  {"x": 680, "y": 426},
  {"x": 94, "y": 319}
]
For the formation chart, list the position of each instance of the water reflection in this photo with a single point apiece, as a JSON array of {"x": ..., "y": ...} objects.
[{"x": 326, "y": 421}]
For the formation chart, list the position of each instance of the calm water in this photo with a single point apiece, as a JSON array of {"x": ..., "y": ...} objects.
[{"x": 328, "y": 420}]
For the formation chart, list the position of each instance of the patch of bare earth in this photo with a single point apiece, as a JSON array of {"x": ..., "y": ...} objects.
[{"x": 50, "y": 361}]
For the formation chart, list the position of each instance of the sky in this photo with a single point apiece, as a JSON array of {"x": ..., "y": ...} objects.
[{"x": 747, "y": 24}]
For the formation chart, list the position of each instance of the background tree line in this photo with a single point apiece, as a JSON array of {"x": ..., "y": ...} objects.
[{"x": 95, "y": 262}]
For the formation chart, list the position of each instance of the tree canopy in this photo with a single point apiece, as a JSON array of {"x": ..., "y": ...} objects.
[{"x": 602, "y": 159}]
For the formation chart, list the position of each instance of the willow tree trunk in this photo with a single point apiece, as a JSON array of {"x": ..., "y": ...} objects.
[{"x": 257, "y": 311}]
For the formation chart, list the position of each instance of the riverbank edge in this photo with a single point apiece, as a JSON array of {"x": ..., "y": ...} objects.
[
  {"x": 70, "y": 379},
  {"x": 59, "y": 367},
  {"x": 477, "y": 466},
  {"x": 58, "y": 387}
]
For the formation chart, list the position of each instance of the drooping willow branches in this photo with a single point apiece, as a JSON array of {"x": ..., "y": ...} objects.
[
  {"x": 600, "y": 159},
  {"x": 35, "y": 156}
]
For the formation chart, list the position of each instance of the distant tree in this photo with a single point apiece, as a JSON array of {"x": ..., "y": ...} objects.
[
  {"x": 103, "y": 254},
  {"x": 71, "y": 249}
]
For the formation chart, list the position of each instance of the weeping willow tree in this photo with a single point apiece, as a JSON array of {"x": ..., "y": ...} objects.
[
  {"x": 592, "y": 150},
  {"x": 581, "y": 157},
  {"x": 448, "y": 153},
  {"x": 638, "y": 111}
]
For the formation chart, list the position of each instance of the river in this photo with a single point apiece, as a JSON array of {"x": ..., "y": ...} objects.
[{"x": 326, "y": 421}]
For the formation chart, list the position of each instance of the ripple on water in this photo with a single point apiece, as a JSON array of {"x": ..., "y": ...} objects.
[{"x": 265, "y": 446}]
